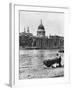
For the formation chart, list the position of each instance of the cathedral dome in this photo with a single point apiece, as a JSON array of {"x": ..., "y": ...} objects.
[
  {"x": 41, "y": 26},
  {"x": 41, "y": 30}
]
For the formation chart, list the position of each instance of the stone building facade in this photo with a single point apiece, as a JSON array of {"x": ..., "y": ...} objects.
[
  {"x": 41, "y": 41},
  {"x": 44, "y": 42}
]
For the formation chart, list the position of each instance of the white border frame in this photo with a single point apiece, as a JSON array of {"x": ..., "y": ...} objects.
[{"x": 14, "y": 45}]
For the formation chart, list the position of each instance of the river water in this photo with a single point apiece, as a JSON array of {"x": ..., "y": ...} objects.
[{"x": 33, "y": 59}]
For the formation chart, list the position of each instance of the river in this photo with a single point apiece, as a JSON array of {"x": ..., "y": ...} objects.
[{"x": 33, "y": 59}]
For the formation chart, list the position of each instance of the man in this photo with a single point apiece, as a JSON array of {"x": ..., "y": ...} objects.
[
  {"x": 58, "y": 56},
  {"x": 57, "y": 62},
  {"x": 54, "y": 62}
]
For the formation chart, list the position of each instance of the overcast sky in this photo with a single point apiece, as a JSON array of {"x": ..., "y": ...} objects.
[{"x": 53, "y": 22}]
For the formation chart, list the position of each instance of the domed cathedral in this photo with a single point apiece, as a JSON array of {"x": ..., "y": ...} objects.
[
  {"x": 26, "y": 39},
  {"x": 41, "y": 30},
  {"x": 41, "y": 40}
]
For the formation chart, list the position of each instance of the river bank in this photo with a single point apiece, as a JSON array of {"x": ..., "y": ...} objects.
[
  {"x": 41, "y": 73},
  {"x": 31, "y": 64}
]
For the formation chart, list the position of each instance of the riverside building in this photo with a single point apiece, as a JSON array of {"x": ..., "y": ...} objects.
[{"x": 41, "y": 41}]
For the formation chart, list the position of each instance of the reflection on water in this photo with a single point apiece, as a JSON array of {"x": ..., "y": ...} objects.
[{"x": 34, "y": 58}]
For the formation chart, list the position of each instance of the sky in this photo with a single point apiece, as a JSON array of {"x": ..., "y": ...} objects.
[{"x": 53, "y": 22}]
